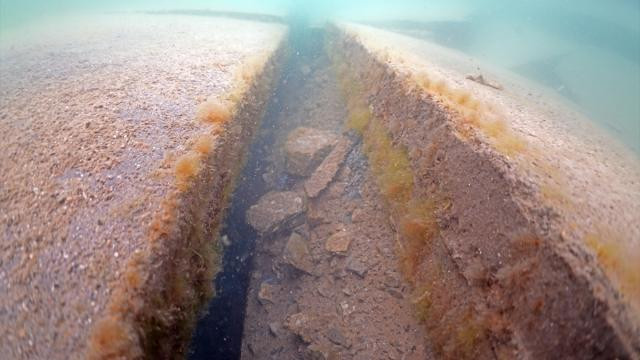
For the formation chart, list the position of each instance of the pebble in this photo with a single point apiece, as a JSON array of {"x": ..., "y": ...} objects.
[
  {"x": 337, "y": 337},
  {"x": 357, "y": 267},
  {"x": 275, "y": 328},
  {"x": 338, "y": 243}
]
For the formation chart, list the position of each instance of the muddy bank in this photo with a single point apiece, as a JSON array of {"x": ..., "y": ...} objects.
[{"x": 502, "y": 259}]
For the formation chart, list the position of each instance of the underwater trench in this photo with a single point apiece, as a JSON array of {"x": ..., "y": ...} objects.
[
  {"x": 421, "y": 201},
  {"x": 218, "y": 334}
]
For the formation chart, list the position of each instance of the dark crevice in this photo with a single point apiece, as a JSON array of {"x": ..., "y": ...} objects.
[{"x": 218, "y": 334}]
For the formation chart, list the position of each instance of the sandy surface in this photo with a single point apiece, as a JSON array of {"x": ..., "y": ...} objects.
[{"x": 93, "y": 115}]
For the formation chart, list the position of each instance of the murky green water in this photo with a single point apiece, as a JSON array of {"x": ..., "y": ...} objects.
[{"x": 586, "y": 51}]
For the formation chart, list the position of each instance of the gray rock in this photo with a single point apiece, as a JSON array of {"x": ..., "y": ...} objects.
[
  {"x": 395, "y": 293},
  {"x": 325, "y": 289},
  {"x": 276, "y": 211},
  {"x": 275, "y": 328},
  {"x": 357, "y": 267},
  {"x": 296, "y": 253},
  {"x": 336, "y": 336}
]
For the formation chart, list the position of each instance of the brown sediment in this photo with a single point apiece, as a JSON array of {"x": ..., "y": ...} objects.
[{"x": 499, "y": 267}]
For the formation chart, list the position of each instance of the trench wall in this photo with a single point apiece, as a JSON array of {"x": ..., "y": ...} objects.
[
  {"x": 492, "y": 276},
  {"x": 153, "y": 309}
]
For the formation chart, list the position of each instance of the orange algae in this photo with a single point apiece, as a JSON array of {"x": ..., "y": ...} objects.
[
  {"x": 418, "y": 227},
  {"x": 456, "y": 329},
  {"x": 482, "y": 117},
  {"x": 111, "y": 337},
  {"x": 204, "y": 144},
  {"x": 213, "y": 111},
  {"x": 619, "y": 261},
  {"x": 187, "y": 166}
]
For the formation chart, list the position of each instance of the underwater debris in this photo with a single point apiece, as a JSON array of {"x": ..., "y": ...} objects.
[{"x": 481, "y": 80}]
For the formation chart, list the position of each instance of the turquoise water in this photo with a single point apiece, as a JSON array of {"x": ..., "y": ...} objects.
[{"x": 586, "y": 51}]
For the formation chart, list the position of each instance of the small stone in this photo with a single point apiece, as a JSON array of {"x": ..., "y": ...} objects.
[
  {"x": 338, "y": 243},
  {"x": 395, "y": 293},
  {"x": 250, "y": 348},
  {"x": 392, "y": 281},
  {"x": 335, "y": 336},
  {"x": 317, "y": 217},
  {"x": 267, "y": 293},
  {"x": 302, "y": 230},
  {"x": 357, "y": 267},
  {"x": 276, "y": 211},
  {"x": 357, "y": 215},
  {"x": 224, "y": 239},
  {"x": 301, "y": 325},
  {"x": 319, "y": 352},
  {"x": 324, "y": 289},
  {"x": 345, "y": 308},
  {"x": 296, "y": 253},
  {"x": 275, "y": 328}
]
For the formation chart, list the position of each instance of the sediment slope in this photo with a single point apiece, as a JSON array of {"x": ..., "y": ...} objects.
[
  {"x": 519, "y": 220},
  {"x": 122, "y": 137}
]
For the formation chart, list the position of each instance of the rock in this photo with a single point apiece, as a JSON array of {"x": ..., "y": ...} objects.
[
  {"x": 325, "y": 173},
  {"x": 302, "y": 230},
  {"x": 346, "y": 309},
  {"x": 338, "y": 243},
  {"x": 303, "y": 325},
  {"x": 275, "y": 328},
  {"x": 305, "y": 148},
  {"x": 267, "y": 293},
  {"x": 319, "y": 352},
  {"x": 395, "y": 293},
  {"x": 335, "y": 336},
  {"x": 316, "y": 217},
  {"x": 296, "y": 253},
  {"x": 276, "y": 211},
  {"x": 391, "y": 280},
  {"x": 251, "y": 349},
  {"x": 357, "y": 215},
  {"x": 325, "y": 289},
  {"x": 357, "y": 267}
]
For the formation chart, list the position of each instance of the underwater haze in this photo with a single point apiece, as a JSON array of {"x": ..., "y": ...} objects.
[
  {"x": 586, "y": 51},
  {"x": 362, "y": 179}
]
